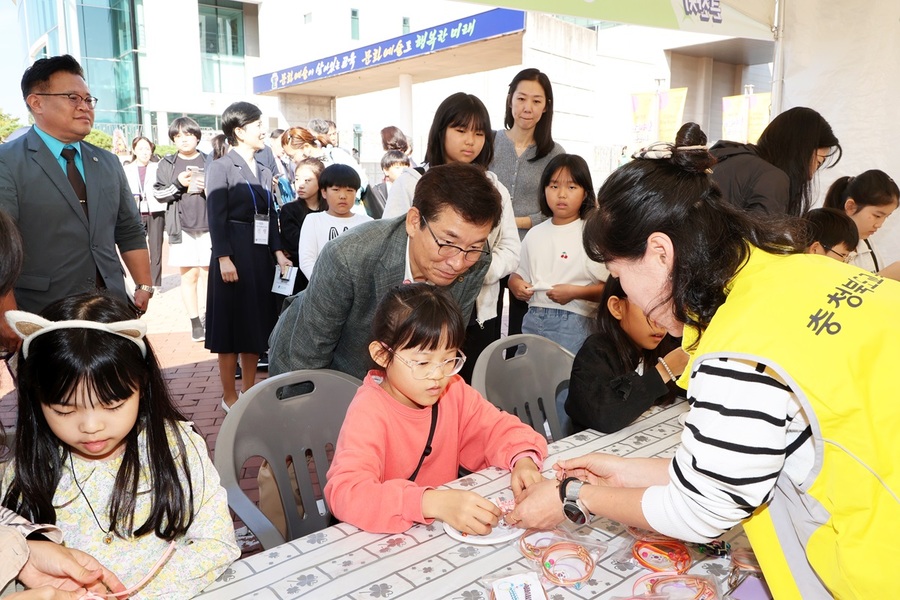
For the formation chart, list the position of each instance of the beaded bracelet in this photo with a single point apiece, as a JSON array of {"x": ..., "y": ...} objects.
[
  {"x": 662, "y": 555},
  {"x": 666, "y": 367},
  {"x": 533, "y": 542},
  {"x": 556, "y": 564}
]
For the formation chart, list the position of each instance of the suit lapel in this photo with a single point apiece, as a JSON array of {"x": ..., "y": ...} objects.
[
  {"x": 93, "y": 175},
  {"x": 48, "y": 163}
]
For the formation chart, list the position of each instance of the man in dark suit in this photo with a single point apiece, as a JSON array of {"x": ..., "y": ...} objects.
[
  {"x": 441, "y": 240},
  {"x": 70, "y": 199}
]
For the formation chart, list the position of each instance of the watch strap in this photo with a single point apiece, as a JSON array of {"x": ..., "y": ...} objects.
[{"x": 146, "y": 288}]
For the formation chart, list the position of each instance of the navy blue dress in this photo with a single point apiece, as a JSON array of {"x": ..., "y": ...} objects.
[{"x": 240, "y": 315}]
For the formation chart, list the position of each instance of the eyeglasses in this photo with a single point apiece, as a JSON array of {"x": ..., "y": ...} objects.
[
  {"x": 449, "y": 250},
  {"x": 844, "y": 257},
  {"x": 75, "y": 99},
  {"x": 424, "y": 369}
]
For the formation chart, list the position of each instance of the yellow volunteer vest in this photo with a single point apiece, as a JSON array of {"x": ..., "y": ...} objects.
[{"x": 832, "y": 332}]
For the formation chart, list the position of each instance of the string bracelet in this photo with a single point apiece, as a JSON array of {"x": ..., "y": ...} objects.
[
  {"x": 743, "y": 563},
  {"x": 662, "y": 555},
  {"x": 665, "y": 365},
  {"x": 162, "y": 559},
  {"x": 533, "y": 542},
  {"x": 674, "y": 586},
  {"x": 567, "y": 564}
]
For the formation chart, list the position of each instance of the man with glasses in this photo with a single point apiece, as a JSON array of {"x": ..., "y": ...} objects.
[
  {"x": 70, "y": 199},
  {"x": 442, "y": 240}
]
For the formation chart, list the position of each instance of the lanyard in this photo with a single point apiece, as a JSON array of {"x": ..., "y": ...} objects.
[{"x": 253, "y": 196}]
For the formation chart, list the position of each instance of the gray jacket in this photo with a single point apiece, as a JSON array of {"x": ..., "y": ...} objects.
[{"x": 328, "y": 325}]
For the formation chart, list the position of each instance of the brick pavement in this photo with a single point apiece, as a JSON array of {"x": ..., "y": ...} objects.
[{"x": 189, "y": 369}]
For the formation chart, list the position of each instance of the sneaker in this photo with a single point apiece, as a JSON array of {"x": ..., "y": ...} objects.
[
  {"x": 198, "y": 334},
  {"x": 237, "y": 372},
  {"x": 263, "y": 362}
]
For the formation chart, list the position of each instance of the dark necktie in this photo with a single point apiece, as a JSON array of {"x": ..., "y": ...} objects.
[{"x": 75, "y": 179}]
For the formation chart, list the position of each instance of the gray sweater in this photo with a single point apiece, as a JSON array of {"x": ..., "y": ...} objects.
[{"x": 521, "y": 178}]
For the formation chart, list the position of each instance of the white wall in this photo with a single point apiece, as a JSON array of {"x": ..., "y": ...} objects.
[{"x": 841, "y": 58}]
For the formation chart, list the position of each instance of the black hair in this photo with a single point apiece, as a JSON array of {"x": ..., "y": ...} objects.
[
  {"x": 418, "y": 315},
  {"x": 276, "y": 134},
  {"x": 712, "y": 239},
  {"x": 37, "y": 76},
  {"x": 462, "y": 188},
  {"x": 627, "y": 353},
  {"x": 184, "y": 125},
  {"x": 108, "y": 368},
  {"x": 338, "y": 175},
  {"x": 220, "y": 146},
  {"x": 790, "y": 142},
  {"x": 12, "y": 251},
  {"x": 393, "y": 157},
  {"x": 830, "y": 227},
  {"x": 460, "y": 110},
  {"x": 579, "y": 172},
  {"x": 238, "y": 114},
  {"x": 870, "y": 188},
  {"x": 543, "y": 131}
]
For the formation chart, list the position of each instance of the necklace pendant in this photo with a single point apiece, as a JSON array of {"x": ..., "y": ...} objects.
[{"x": 107, "y": 539}]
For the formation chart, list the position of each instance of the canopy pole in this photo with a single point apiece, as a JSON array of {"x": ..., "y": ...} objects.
[{"x": 778, "y": 60}]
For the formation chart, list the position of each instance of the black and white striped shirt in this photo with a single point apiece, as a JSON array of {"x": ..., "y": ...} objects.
[{"x": 745, "y": 427}]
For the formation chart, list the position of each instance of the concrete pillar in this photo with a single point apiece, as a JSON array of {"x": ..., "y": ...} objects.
[{"x": 404, "y": 86}]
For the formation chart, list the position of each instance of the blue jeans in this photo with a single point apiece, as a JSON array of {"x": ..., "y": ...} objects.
[{"x": 564, "y": 327}]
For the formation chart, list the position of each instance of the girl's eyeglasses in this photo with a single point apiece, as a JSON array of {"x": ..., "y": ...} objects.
[
  {"x": 424, "y": 369},
  {"x": 844, "y": 257}
]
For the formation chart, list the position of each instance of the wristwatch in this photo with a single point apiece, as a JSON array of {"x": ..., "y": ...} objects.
[
  {"x": 573, "y": 507},
  {"x": 146, "y": 288}
]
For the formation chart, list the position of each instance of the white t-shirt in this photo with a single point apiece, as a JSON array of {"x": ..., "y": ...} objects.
[
  {"x": 553, "y": 254},
  {"x": 317, "y": 230}
]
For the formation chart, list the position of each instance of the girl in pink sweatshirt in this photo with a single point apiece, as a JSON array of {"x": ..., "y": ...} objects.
[{"x": 414, "y": 421}]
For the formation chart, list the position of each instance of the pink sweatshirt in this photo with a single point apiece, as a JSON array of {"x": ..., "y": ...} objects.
[{"x": 382, "y": 440}]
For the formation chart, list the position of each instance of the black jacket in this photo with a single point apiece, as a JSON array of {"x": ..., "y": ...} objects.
[{"x": 748, "y": 181}]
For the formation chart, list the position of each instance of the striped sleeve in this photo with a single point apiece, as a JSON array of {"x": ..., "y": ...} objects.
[{"x": 744, "y": 428}]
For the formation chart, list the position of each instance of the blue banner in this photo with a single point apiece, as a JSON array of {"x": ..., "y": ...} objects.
[{"x": 493, "y": 23}]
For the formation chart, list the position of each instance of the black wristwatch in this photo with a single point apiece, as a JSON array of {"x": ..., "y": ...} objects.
[{"x": 573, "y": 507}]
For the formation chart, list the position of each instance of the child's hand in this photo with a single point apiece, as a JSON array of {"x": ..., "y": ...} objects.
[
  {"x": 677, "y": 360},
  {"x": 563, "y": 293},
  {"x": 520, "y": 288},
  {"x": 524, "y": 474},
  {"x": 465, "y": 511}
]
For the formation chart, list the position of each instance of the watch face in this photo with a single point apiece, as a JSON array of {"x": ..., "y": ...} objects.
[{"x": 575, "y": 513}]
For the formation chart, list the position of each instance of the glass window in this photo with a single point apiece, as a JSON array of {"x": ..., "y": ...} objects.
[
  {"x": 405, "y": 25},
  {"x": 222, "y": 56},
  {"x": 354, "y": 23},
  {"x": 307, "y": 18}
]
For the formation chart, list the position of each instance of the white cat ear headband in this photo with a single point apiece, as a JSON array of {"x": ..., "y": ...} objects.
[{"x": 28, "y": 326}]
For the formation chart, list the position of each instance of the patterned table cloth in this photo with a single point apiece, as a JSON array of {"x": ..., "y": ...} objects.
[{"x": 425, "y": 563}]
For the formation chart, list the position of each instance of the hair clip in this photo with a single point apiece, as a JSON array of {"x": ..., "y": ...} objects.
[
  {"x": 663, "y": 150},
  {"x": 662, "y": 555},
  {"x": 567, "y": 564},
  {"x": 29, "y": 326}
]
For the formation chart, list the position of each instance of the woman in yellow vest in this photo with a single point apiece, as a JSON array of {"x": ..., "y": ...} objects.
[{"x": 792, "y": 382}]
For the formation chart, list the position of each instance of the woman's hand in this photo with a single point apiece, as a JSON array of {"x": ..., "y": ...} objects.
[
  {"x": 524, "y": 475},
  {"x": 283, "y": 261},
  {"x": 465, "y": 511},
  {"x": 69, "y": 569},
  {"x": 520, "y": 288},
  {"x": 538, "y": 506},
  {"x": 228, "y": 270}
]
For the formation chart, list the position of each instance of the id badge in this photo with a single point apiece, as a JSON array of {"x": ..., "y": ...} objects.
[{"x": 261, "y": 229}]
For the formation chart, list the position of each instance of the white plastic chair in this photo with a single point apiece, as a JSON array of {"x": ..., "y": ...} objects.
[
  {"x": 528, "y": 383},
  {"x": 275, "y": 421}
]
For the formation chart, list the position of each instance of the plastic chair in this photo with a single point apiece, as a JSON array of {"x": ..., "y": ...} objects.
[
  {"x": 528, "y": 383},
  {"x": 275, "y": 421}
]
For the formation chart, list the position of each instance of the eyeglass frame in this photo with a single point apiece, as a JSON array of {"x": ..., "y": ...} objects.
[
  {"x": 846, "y": 258},
  {"x": 461, "y": 358},
  {"x": 481, "y": 253},
  {"x": 91, "y": 101}
]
